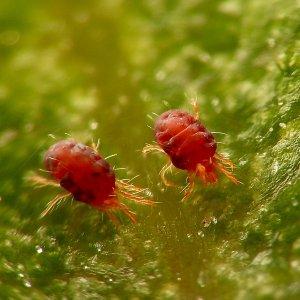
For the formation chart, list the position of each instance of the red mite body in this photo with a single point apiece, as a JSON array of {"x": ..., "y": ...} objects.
[
  {"x": 86, "y": 176},
  {"x": 81, "y": 171},
  {"x": 190, "y": 147},
  {"x": 185, "y": 140}
]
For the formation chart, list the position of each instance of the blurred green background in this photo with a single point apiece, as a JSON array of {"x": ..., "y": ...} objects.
[{"x": 99, "y": 69}]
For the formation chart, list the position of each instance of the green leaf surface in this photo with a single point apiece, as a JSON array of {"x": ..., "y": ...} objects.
[{"x": 99, "y": 70}]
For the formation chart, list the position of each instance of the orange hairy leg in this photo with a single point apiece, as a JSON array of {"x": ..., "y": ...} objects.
[
  {"x": 40, "y": 181},
  {"x": 109, "y": 210},
  {"x": 51, "y": 205},
  {"x": 149, "y": 148},
  {"x": 188, "y": 190},
  {"x": 227, "y": 173},
  {"x": 166, "y": 168},
  {"x": 112, "y": 206}
]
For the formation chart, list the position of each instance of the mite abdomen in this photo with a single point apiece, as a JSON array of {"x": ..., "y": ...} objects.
[
  {"x": 81, "y": 171},
  {"x": 184, "y": 139}
]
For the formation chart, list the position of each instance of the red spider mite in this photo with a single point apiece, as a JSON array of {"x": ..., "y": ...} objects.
[
  {"x": 88, "y": 177},
  {"x": 190, "y": 147}
]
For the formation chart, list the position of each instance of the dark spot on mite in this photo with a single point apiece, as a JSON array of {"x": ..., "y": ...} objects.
[
  {"x": 168, "y": 146},
  {"x": 96, "y": 174},
  {"x": 84, "y": 196},
  {"x": 78, "y": 195},
  {"x": 51, "y": 163},
  {"x": 95, "y": 156},
  {"x": 71, "y": 144},
  {"x": 80, "y": 146},
  {"x": 68, "y": 183}
]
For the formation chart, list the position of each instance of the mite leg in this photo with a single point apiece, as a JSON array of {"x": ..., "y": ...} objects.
[
  {"x": 166, "y": 168},
  {"x": 188, "y": 190},
  {"x": 40, "y": 181},
  {"x": 132, "y": 192},
  {"x": 124, "y": 184},
  {"x": 152, "y": 148},
  {"x": 201, "y": 173},
  {"x": 227, "y": 173},
  {"x": 205, "y": 176},
  {"x": 195, "y": 108},
  {"x": 226, "y": 166},
  {"x": 113, "y": 218},
  {"x": 95, "y": 146},
  {"x": 155, "y": 148},
  {"x": 225, "y": 161},
  {"x": 50, "y": 206},
  {"x": 112, "y": 204},
  {"x": 211, "y": 177},
  {"x": 127, "y": 212}
]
